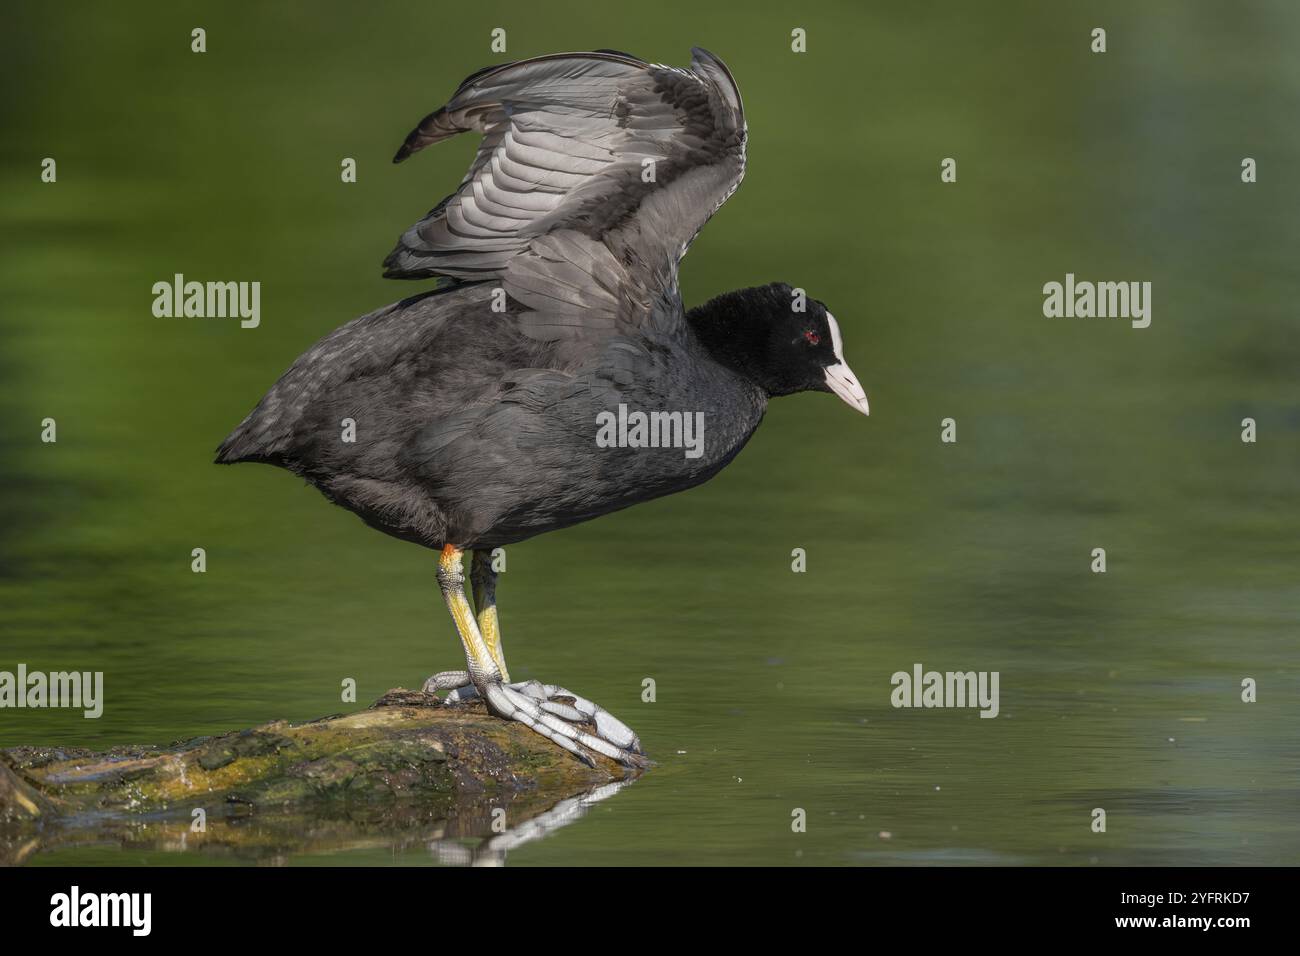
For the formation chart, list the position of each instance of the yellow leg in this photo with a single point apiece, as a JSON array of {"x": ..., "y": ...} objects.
[
  {"x": 479, "y": 658},
  {"x": 484, "y": 581},
  {"x": 572, "y": 722}
]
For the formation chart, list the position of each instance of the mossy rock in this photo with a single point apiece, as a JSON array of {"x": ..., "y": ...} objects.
[{"x": 406, "y": 768}]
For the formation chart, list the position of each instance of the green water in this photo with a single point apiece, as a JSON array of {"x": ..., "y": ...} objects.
[{"x": 1118, "y": 690}]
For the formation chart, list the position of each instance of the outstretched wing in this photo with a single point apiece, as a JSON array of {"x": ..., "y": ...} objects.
[{"x": 595, "y": 173}]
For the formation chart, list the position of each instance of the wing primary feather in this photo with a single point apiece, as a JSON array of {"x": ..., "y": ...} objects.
[{"x": 594, "y": 173}]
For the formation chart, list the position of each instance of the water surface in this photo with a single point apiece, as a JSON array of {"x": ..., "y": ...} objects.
[{"x": 1119, "y": 691}]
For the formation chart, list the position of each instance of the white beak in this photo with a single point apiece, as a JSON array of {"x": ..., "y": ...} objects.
[
  {"x": 843, "y": 383},
  {"x": 840, "y": 378}
]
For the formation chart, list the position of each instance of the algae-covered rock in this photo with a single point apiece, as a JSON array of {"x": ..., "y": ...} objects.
[{"x": 406, "y": 769}]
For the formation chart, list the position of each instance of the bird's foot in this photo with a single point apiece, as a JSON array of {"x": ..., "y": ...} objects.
[
  {"x": 457, "y": 682},
  {"x": 561, "y": 716}
]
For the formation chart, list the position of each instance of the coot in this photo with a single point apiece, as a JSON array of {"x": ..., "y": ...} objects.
[{"x": 553, "y": 376}]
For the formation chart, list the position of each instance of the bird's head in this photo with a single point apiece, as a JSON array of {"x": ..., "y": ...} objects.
[{"x": 780, "y": 338}]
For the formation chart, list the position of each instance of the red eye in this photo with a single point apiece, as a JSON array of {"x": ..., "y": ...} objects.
[{"x": 811, "y": 337}]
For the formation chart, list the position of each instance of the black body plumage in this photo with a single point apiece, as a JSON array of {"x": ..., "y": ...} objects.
[{"x": 476, "y": 406}]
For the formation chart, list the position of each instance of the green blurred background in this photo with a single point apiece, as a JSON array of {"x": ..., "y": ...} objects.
[{"x": 1118, "y": 690}]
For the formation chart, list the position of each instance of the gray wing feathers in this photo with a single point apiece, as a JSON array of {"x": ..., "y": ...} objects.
[
  {"x": 595, "y": 173},
  {"x": 572, "y": 286}
]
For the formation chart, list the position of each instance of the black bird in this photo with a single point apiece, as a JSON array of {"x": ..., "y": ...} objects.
[{"x": 555, "y": 376}]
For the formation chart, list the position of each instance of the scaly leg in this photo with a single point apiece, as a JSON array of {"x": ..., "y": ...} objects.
[
  {"x": 553, "y": 712},
  {"x": 484, "y": 581}
]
